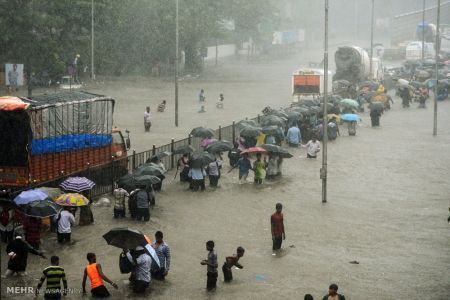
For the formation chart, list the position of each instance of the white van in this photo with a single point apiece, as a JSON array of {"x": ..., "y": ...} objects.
[{"x": 414, "y": 51}]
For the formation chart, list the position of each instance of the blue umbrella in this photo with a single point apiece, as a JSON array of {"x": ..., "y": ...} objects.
[
  {"x": 30, "y": 196},
  {"x": 350, "y": 118}
]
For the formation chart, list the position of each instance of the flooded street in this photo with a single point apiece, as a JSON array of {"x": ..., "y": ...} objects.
[{"x": 387, "y": 202}]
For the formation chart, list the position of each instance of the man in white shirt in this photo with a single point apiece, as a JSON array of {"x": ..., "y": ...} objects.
[
  {"x": 65, "y": 220},
  {"x": 214, "y": 172},
  {"x": 147, "y": 121},
  {"x": 312, "y": 148},
  {"x": 142, "y": 266},
  {"x": 197, "y": 176}
]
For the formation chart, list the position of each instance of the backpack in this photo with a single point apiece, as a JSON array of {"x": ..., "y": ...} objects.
[
  {"x": 4, "y": 217},
  {"x": 125, "y": 265}
]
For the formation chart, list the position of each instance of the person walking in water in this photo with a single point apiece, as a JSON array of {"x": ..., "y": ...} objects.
[
  {"x": 202, "y": 100},
  {"x": 231, "y": 261},
  {"x": 147, "y": 119},
  {"x": 277, "y": 228},
  {"x": 94, "y": 271},
  {"x": 54, "y": 274},
  {"x": 212, "y": 265}
]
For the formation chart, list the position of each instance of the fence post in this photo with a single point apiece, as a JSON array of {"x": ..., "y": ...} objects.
[
  {"x": 189, "y": 139},
  {"x": 153, "y": 150},
  {"x": 133, "y": 161},
  {"x": 113, "y": 175},
  {"x": 233, "y": 134},
  {"x": 259, "y": 117},
  {"x": 220, "y": 132},
  {"x": 172, "y": 156}
]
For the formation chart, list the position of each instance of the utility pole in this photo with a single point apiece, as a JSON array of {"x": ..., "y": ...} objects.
[
  {"x": 176, "y": 63},
  {"x": 371, "y": 42},
  {"x": 437, "y": 46},
  {"x": 92, "y": 41},
  {"x": 323, "y": 170},
  {"x": 423, "y": 31}
]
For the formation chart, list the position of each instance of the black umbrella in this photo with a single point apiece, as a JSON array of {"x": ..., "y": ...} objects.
[
  {"x": 272, "y": 130},
  {"x": 376, "y": 106},
  {"x": 277, "y": 150},
  {"x": 201, "y": 159},
  {"x": 219, "y": 146},
  {"x": 125, "y": 238},
  {"x": 159, "y": 155},
  {"x": 202, "y": 132},
  {"x": 186, "y": 149},
  {"x": 272, "y": 120},
  {"x": 245, "y": 123},
  {"x": 148, "y": 169},
  {"x": 41, "y": 208},
  {"x": 147, "y": 180},
  {"x": 278, "y": 114},
  {"x": 250, "y": 131}
]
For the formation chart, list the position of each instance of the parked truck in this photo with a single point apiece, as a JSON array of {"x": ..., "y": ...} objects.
[
  {"x": 308, "y": 83},
  {"x": 49, "y": 136}
]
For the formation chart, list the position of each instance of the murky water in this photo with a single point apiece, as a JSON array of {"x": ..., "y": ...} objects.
[{"x": 387, "y": 204}]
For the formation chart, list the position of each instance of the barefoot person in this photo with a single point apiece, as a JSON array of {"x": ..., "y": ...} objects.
[
  {"x": 231, "y": 261},
  {"x": 277, "y": 228},
  {"x": 212, "y": 265},
  {"x": 94, "y": 271}
]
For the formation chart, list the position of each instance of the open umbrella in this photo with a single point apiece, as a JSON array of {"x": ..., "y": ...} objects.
[
  {"x": 149, "y": 169},
  {"x": 146, "y": 180},
  {"x": 244, "y": 123},
  {"x": 272, "y": 120},
  {"x": 202, "y": 132},
  {"x": 184, "y": 149},
  {"x": 278, "y": 113},
  {"x": 30, "y": 196},
  {"x": 219, "y": 146},
  {"x": 277, "y": 150},
  {"x": 72, "y": 199},
  {"x": 253, "y": 150},
  {"x": 350, "y": 102},
  {"x": 417, "y": 84},
  {"x": 272, "y": 130},
  {"x": 250, "y": 131},
  {"x": 159, "y": 155},
  {"x": 41, "y": 209},
  {"x": 350, "y": 118},
  {"x": 125, "y": 238},
  {"x": 207, "y": 141},
  {"x": 51, "y": 192},
  {"x": 77, "y": 184},
  {"x": 201, "y": 159}
]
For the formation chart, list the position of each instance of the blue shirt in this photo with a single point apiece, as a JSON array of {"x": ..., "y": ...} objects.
[
  {"x": 293, "y": 135},
  {"x": 244, "y": 165},
  {"x": 196, "y": 173}
]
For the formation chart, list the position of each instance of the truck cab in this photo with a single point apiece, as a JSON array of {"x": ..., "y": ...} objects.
[
  {"x": 309, "y": 84},
  {"x": 120, "y": 144}
]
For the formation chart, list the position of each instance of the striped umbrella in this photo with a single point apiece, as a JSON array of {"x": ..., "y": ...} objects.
[
  {"x": 77, "y": 184},
  {"x": 72, "y": 199}
]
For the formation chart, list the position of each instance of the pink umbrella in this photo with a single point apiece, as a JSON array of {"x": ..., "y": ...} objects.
[
  {"x": 254, "y": 150},
  {"x": 206, "y": 141}
]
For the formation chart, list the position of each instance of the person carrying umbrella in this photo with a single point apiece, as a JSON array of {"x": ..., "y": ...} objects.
[
  {"x": 245, "y": 166},
  {"x": 197, "y": 176},
  {"x": 293, "y": 136},
  {"x": 65, "y": 221},
  {"x": 94, "y": 271},
  {"x": 143, "y": 200},
  {"x": 18, "y": 256},
  {"x": 6, "y": 223},
  {"x": 120, "y": 198},
  {"x": 375, "y": 115},
  {"x": 259, "y": 167},
  {"x": 214, "y": 172},
  {"x": 141, "y": 275},
  {"x": 183, "y": 165}
]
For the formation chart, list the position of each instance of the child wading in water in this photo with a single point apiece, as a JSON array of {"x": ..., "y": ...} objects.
[
  {"x": 212, "y": 265},
  {"x": 231, "y": 261}
]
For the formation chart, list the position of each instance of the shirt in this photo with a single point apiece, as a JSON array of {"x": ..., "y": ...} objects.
[
  {"x": 293, "y": 135},
  {"x": 272, "y": 166},
  {"x": 276, "y": 221},
  {"x": 54, "y": 275},
  {"x": 259, "y": 167},
  {"x": 313, "y": 147},
  {"x": 212, "y": 260},
  {"x": 120, "y": 196},
  {"x": 244, "y": 165},
  {"x": 142, "y": 270},
  {"x": 66, "y": 221},
  {"x": 142, "y": 199},
  {"x": 163, "y": 252},
  {"x": 147, "y": 117},
  {"x": 196, "y": 173},
  {"x": 214, "y": 167}
]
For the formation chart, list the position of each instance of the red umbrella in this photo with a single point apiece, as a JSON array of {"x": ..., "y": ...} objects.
[{"x": 253, "y": 150}]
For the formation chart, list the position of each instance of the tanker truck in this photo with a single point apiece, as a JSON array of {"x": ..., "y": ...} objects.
[{"x": 352, "y": 64}]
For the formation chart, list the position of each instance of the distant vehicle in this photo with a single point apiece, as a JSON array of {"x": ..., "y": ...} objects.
[
  {"x": 427, "y": 30},
  {"x": 414, "y": 51},
  {"x": 69, "y": 83},
  {"x": 352, "y": 64},
  {"x": 309, "y": 83}
]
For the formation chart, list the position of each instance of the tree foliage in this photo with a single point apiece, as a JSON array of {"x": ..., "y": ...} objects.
[{"x": 131, "y": 36}]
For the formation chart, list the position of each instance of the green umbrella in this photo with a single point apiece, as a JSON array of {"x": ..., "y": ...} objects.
[{"x": 350, "y": 102}]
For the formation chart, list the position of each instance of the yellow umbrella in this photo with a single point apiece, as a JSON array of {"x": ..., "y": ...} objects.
[
  {"x": 331, "y": 116},
  {"x": 72, "y": 199}
]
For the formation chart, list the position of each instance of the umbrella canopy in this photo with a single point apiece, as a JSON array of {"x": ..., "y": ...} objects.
[
  {"x": 77, "y": 184},
  {"x": 250, "y": 131},
  {"x": 72, "y": 199},
  {"x": 125, "y": 238},
  {"x": 219, "y": 146},
  {"x": 201, "y": 159},
  {"x": 350, "y": 117},
  {"x": 41, "y": 209},
  {"x": 417, "y": 84},
  {"x": 160, "y": 155},
  {"x": 244, "y": 123},
  {"x": 293, "y": 115},
  {"x": 146, "y": 180},
  {"x": 402, "y": 82},
  {"x": 51, "y": 192},
  {"x": 376, "y": 106},
  {"x": 253, "y": 150},
  {"x": 370, "y": 84},
  {"x": 350, "y": 102},
  {"x": 30, "y": 196},
  {"x": 131, "y": 182},
  {"x": 444, "y": 82},
  {"x": 186, "y": 149},
  {"x": 202, "y": 132},
  {"x": 149, "y": 169},
  {"x": 207, "y": 141},
  {"x": 278, "y": 113},
  {"x": 422, "y": 74},
  {"x": 272, "y": 120},
  {"x": 277, "y": 150},
  {"x": 272, "y": 130}
]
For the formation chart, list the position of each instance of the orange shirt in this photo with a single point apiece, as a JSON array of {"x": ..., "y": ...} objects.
[{"x": 94, "y": 276}]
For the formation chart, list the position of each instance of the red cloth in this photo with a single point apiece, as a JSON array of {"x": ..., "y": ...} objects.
[{"x": 277, "y": 224}]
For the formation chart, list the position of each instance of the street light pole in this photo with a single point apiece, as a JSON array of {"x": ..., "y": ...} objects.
[
  {"x": 176, "y": 63},
  {"x": 371, "y": 42},
  {"x": 323, "y": 171},
  {"x": 92, "y": 41},
  {"x": 423, "y": 31},
  {"x": 437, "y": 43}
]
